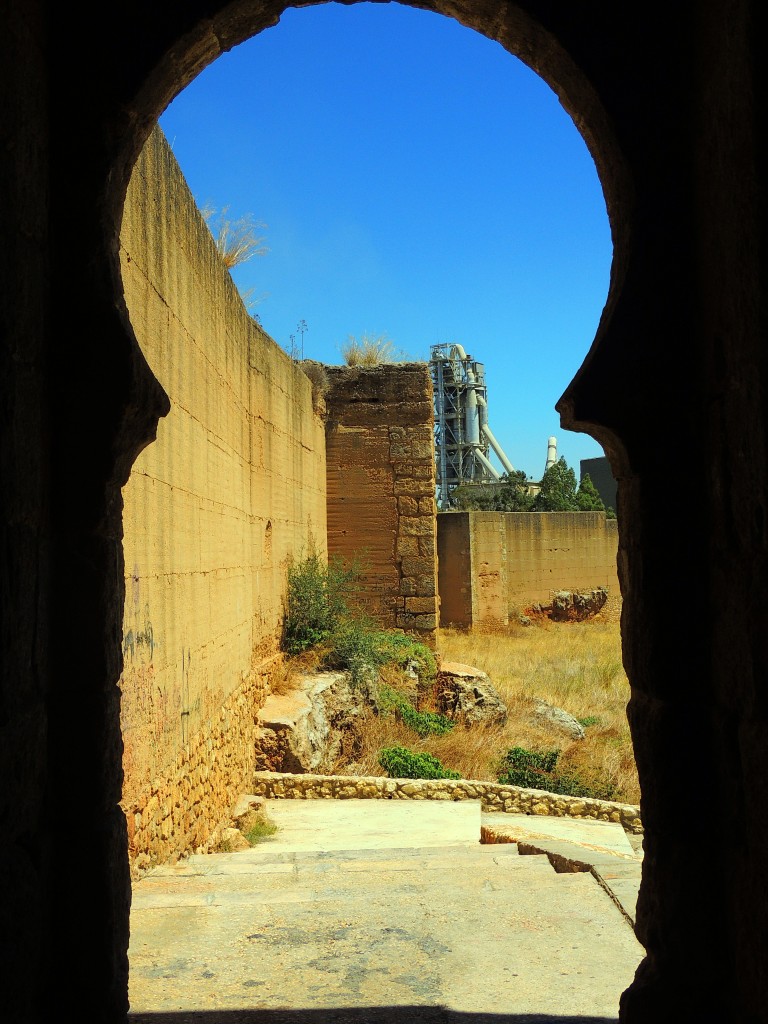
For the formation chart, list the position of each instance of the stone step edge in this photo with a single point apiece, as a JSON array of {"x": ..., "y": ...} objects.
[
  {"x": 493, "y": 796},
  {"x": 568, "y": 858}
]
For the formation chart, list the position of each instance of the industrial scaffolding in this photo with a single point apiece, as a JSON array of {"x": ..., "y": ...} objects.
[{"x": 463, "y": 439}]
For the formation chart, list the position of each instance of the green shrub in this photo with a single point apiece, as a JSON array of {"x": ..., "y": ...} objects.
[
  {"x": 320, "y": 612},
  {"x": 317, "y": 601},
  {"x": 401, "y": 763},
  {"x": 260, "y": 830},
  {"x": 397, "y": 648},
  {"x": 527, "y": 768},
  {"x": 532, "y": 769},
  {"x": 351, "y": 645},
  {"x": 424, "y": 723},
  {"x": 356, "y": 642}
]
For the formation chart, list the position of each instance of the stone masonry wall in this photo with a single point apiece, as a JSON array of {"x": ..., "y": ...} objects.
[
  {"x": 381, "y": 488},
  {"x": 232, "y": 487},
  {"x": 494, "y": 796},
  {"x": 178, "y": 812},
  {"x": 492, "y": 564}
]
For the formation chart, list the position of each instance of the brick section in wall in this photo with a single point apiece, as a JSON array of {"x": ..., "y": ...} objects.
[{"x": 381, "y": 507}]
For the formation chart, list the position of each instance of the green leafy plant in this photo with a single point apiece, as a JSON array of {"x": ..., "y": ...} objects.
[
  {"x": 532, "y": 769},
  {"x": 317, "y": 601},
  {"x": 394, "y": 647},
  {"x": 511, "y": 494},
  {"x": 256, "y": 825},
  {"x": 558, "y": 492},
  {"x": 558, "y": 489},
  {"x": 528, "y": 768},
  {"x": 357, "y": 644},
  {"x": 587, "y": 497},
  {"x": 423, "y": 723},
  {"x": 260, "y": 830},
  {"x": 402, "y": 763},
  {"x": 321, "y": 613}
]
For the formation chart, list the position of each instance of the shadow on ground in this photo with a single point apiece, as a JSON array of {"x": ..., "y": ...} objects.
[{"x": 358, "y": 1015}]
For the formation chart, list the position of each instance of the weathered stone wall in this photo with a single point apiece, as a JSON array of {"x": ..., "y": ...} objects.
[
  {"x": 381, "y": 488},
  {"x": 493, "y": 796},
  {"x": 233, "y": 485},
  {"x": 494, "y": 563}
]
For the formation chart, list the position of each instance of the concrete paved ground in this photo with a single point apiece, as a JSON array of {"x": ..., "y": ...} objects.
[
  {"x": 374, "y": 911},
  {"x": 603, "y": 848}
]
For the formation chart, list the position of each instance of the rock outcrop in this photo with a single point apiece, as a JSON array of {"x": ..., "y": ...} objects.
[
  {"x": 312, "y": 727},
  {"x": 466, "y": 695},
  {"x": 557, "y": 717},
  {"x": 577, "y": 605}
]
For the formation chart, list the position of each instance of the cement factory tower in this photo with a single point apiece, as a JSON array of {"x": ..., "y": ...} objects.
[{"x": 463, "y": 439}]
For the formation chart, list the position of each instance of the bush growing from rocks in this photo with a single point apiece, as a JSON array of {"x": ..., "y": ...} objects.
[{"x": 401, "y": 763}]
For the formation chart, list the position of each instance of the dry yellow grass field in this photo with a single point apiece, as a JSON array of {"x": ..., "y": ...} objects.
[{"x": 576, "y": 666}]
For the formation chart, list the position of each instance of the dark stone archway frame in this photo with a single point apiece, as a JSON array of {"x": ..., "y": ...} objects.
[{"x": 666, "y": 98}]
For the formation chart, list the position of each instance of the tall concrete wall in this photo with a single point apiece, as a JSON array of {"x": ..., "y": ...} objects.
[
  {"x": 233, "y": 485},
  {"x": 381, "y": 488},
  {"x": 494, "y": 563}
]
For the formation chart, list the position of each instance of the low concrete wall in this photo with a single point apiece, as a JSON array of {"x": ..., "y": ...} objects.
[
  {"x": 493, "y": 796},
  {"x": 492, "y": 564}
]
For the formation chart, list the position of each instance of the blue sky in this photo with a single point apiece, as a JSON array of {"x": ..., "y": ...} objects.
[{"x": 415, "y": 181}]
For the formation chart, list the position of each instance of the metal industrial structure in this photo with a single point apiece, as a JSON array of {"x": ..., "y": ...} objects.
[{"x": 463, "y": 439}]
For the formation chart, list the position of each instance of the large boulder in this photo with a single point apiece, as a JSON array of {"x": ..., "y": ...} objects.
[
  {"x": 312, "y": 727},
  {"x": 466, "y": 694},
  {"x": 569, "y": 606},
  {"x": 548, "y": 714}
]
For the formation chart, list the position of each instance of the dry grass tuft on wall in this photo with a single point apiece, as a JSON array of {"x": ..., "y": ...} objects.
[{"x": 369, "y": 351}]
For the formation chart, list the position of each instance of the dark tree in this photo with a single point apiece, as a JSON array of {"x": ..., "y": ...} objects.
[
  {"x": 587, "y": 496},
  {"x": 510, "y": 494},
  {"x": 558, "y": 489}
]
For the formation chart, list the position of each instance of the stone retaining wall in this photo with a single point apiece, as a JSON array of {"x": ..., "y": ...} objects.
[
  {"x": 179, "y": 811},
  {"x": 494, "y": 796}
]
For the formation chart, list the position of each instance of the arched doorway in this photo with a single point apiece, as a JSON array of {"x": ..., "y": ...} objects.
[{"x": 161, "y": 425}]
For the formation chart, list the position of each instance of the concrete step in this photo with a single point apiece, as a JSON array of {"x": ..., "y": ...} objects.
[
  {"x": 378, "y": 824},
  {"x": 218, "y": 892},
  {"x": 223, "y": 877},
  {"x": 599, "y": 847},
  {"x": 297, "y": 929},
  {"x": 264, "y": 854}
]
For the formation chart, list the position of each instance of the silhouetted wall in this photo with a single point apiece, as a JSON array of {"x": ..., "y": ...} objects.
[
  {"x": 599, "y": 472},
  {"x": 671, "y": 101}
]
